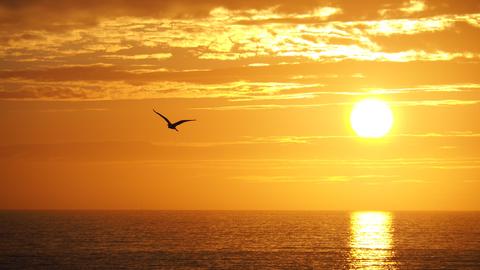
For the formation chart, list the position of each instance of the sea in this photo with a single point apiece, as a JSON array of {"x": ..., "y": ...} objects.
[{"x": 239, "y": 240}]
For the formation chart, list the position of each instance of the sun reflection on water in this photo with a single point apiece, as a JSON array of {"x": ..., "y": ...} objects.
[{"x": 371, "y": 244}]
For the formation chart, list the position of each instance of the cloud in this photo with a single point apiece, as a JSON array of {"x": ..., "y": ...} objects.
[
  {"x": 265, "y": 107},
  {"x": 218, "y": 36},
  {"x": 455, "y": 38},
  {"x": 408, "y": 8},
  {"x": 245, "y": 85},
  {"x": 157, "y": 56},
  {"x": 365, "y": 179},
  {"x": 413, "y": 6},
  {"x": 425, "y": 88},
  {"x": 312, "y": 139},
  {"x": 412, "y": 181},
  {"x": 291, "y": 179},
  {"x": 445, "y": 134},
  {"x": 39, "y": 13},
  {"x": 73, "y": 110},
  {"x": 115, "y": 90},
  {"x": 298, "y": 140},
  {"x": 439, "y": 102},
  {"x": 152, "y": 49}
]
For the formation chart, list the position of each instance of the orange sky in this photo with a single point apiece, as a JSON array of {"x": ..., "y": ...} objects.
[{"x": 271, "y": 86}]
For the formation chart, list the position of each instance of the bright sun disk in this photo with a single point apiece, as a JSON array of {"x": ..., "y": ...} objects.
[{"x": 371, "y": 118}]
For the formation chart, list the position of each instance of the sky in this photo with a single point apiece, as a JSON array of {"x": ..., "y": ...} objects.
[{"x": 271, "y": 85}]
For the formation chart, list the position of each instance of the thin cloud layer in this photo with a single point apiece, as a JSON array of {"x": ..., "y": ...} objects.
[{"x": 271, "y": 85}]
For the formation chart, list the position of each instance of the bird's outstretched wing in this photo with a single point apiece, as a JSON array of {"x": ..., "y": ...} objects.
[
  {"x": 182, "y": 121},
  {"x": 165, "y": 118}
]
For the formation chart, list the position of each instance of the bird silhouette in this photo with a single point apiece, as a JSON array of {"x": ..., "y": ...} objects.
[{"x": 170, "y": 124}]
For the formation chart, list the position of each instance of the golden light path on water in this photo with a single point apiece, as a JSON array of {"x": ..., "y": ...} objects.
[{"x": 371, "y": 244}]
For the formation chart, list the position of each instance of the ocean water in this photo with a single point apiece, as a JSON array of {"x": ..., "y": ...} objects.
[{"x": 239, "y": 240}]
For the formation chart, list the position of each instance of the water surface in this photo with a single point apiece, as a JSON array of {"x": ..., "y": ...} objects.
[{"x": 239, "y": 240}]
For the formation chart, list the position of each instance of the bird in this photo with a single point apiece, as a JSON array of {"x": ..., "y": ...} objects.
[{"x": 171, "y": 125}]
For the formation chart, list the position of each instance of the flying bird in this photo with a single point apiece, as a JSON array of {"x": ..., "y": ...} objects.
[{"x": 170, "y": 124}]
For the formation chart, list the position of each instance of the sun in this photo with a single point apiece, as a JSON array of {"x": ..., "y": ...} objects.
[{"x": 371, "y": 118}]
